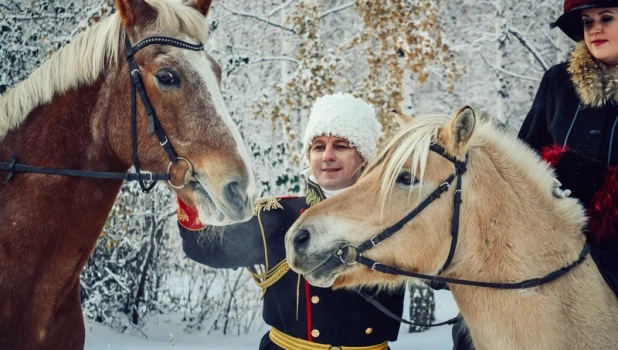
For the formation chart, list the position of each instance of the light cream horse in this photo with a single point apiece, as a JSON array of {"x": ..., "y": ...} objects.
[{"x": 512, "y": 228}]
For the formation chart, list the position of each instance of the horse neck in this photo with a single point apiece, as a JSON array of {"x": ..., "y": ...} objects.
[
  {"x": 70, "y": 132},
  {"x": 513, "y": 229}
]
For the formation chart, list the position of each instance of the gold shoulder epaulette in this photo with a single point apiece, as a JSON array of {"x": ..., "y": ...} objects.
[{"x": 266, "y": 204}]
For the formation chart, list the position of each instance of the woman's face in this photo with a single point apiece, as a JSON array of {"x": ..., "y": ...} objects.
[
  {"x": 601, "y": 33},
  {"x": 334, "y": 163}
]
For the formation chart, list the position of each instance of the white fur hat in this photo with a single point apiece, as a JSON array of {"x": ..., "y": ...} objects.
[{"x": 345, "y": 116}]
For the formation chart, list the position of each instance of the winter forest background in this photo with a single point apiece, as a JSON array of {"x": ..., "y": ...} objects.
[{"x": 278, "y": 56}]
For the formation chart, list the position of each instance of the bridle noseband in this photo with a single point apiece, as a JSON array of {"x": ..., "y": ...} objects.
[
  {"x": 154, "y": 127},
  {"x": 345, "y": 251}
]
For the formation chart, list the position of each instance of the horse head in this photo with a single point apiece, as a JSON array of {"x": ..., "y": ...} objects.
[
  {"x": 503, "y": 183},
  {"x": 184, "y": 89}
]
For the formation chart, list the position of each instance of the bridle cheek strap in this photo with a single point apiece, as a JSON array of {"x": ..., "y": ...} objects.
[{"x": 137, "y": 87}]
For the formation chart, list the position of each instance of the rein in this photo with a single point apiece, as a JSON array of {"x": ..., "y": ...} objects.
[
  {"x": 154, "y": 127},
  {"x": 460, "y": 169}
]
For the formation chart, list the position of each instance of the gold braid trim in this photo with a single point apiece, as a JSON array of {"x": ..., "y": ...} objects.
[
  {"x": 266, "y": 204},
  {"x": 289, "y": 342},
  {"x": 270, "y": 277}
]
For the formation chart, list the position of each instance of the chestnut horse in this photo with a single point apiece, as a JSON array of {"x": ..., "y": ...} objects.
[
  {"x": 75, "y": 112},
  {"x": 508, "y": 227}
]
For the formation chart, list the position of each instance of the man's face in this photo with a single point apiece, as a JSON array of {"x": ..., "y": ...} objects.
[{"x": 334, "y": 163}]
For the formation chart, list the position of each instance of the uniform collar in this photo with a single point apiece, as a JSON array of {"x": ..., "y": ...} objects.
[{"x": 313, "y": 194}]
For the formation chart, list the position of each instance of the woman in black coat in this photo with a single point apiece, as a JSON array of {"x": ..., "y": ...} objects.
[{"x": 573, "y": 120}]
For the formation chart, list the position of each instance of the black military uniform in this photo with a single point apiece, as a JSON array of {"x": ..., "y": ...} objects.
[{"x": 296, "y": 311}]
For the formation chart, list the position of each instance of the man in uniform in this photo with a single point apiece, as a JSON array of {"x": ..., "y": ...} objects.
[{"x": 340, "y": 138}]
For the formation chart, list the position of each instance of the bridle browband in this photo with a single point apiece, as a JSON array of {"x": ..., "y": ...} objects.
[
  {"x": 154, "y": 127},
  {"x": 460, "y": 169}
]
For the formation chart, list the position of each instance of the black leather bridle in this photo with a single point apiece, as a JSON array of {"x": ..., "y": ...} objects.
[
  {"x": 154, "y": 127},
  {"x": 350, "y": 254}
]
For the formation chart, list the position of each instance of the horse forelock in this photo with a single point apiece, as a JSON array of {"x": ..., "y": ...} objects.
[
  {"x": 410, "y": 145},
  {"x": 84, "y": 59}
]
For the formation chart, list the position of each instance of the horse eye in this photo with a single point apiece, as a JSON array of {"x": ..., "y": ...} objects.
[
  {"x": 405, "y": 178},
  {"x": 167, "y": 78}
]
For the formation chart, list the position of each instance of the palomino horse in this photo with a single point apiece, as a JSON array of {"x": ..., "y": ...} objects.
[
  {"x": 508, "y": 227},
  {"x": 75, "y": 112}
]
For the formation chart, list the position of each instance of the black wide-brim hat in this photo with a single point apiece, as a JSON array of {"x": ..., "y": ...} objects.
[{"x": 571, "y": 20}]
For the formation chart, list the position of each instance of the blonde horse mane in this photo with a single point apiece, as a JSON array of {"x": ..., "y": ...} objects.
[
  {"x": 412, "y": 144},
  {"x": 86, "y": 57}
]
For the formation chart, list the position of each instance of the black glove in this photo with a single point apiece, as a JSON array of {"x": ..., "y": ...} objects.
[{"x": 581, "y": 174}]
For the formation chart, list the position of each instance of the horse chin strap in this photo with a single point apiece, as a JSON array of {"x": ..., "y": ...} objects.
[
  {"x": 348, "y": 252},
  {"x": 154, "y": 126}
]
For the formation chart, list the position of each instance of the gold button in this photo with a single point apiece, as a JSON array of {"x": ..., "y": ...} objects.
[
  {"x": 315, "y": 333},
  {"x": 368, "y": 330},
  {"x": 315, "y": 299}
]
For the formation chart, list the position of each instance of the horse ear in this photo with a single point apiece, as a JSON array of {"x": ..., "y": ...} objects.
[
  {"x": 203, "y": 6},
  {"x": 135, "y": 13},
  {"x": 455, "y": 135},
  {"x": 402, "y": 119}
]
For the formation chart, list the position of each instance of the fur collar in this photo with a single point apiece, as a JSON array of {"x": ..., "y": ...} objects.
[{"x": 595, "y": 83}]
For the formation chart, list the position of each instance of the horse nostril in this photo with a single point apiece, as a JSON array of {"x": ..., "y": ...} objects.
[
  {"x": 301, "y": 239},
  {"x": 235, "y": 193}
]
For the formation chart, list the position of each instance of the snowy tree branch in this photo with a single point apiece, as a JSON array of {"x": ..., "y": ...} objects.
[
  {"x": 529, "y": 47},
  {"x": 509, "y": 73},
  {"x": 37, "y": 17},
  {"x": 258, "y": 18},
  {"x": 279, "y": 58},
  {"x": 336, "y": 9}
]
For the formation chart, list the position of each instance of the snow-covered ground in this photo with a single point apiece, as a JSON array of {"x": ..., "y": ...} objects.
[{"x": 167, "y": 334}]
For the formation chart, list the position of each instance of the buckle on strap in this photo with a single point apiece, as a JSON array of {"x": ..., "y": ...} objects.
[
  {"x": 373, "y": 242},
  {"x": 445, "y": 186}
]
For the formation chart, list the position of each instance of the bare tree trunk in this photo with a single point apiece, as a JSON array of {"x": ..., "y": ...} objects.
[
  {"x": 230, "y": 302},
  {"x": 422, "y": 307},
  {"x": 501, "y": 53},
  {"x": 156, "y": 233}
]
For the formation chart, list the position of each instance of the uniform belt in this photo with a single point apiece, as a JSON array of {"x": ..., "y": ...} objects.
[{"x": 291, "y": 343}]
